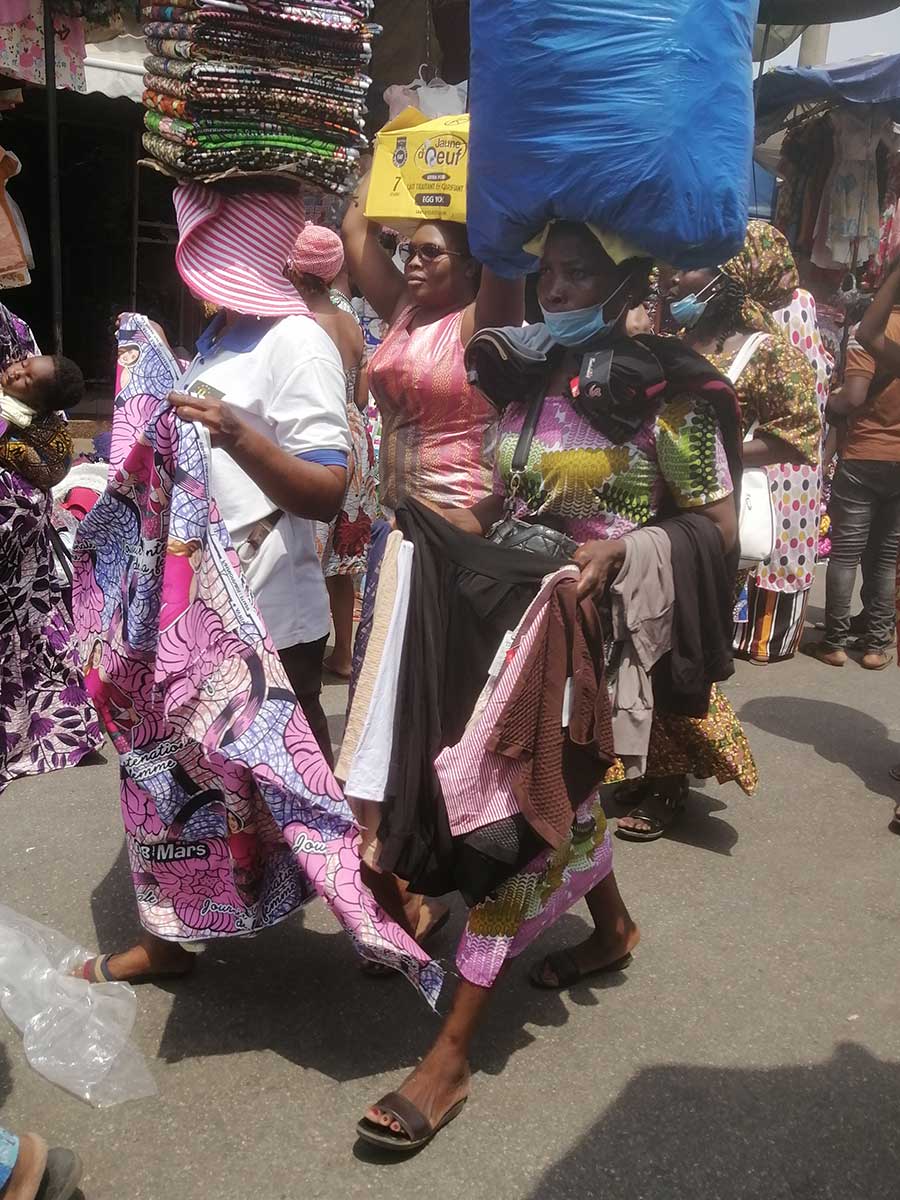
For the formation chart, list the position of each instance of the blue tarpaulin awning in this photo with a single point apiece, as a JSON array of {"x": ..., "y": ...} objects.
[{"x": 874, "y": 80}]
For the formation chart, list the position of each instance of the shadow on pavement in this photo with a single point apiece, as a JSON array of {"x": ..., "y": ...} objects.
[
  {"x": 836, "y": 732},
  {"x": 817, "y": 1132},
  {"x": 300, "y": 993}
]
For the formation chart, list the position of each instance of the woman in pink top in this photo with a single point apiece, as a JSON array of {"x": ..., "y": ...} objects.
[{"x": 437, "y": 431}]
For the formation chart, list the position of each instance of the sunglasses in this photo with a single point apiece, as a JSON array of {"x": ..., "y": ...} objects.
[{"x": 427, "y": 252}]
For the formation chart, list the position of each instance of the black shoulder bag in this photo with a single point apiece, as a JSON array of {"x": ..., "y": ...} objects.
[{"x": 523, "y": 535}]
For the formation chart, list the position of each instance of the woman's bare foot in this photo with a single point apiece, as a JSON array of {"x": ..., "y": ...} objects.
[
  {"x": 430, "y": 918},
  {"x": 439, "y": 1082},
  {"x": 342, "y": 667},
  {"x": 150, "y": 957},
  {"x": 593, "y": 954},
  {"x": 29, "y": 1169}
]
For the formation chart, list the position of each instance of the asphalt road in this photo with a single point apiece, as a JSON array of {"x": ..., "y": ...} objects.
[{"x": 752, "y": 1050}]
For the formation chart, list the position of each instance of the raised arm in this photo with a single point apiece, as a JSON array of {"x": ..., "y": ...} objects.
[
  {"x": 871, "y": 333},
  {"x": 371, "y": 269},
  {"x": 499, "y": 302}
]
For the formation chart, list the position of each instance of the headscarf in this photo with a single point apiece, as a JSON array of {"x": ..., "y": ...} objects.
[
  {"x": 766, "y": 271},
  {"x": 318, "y": 252},
  {"x": 232, "y": 248}
]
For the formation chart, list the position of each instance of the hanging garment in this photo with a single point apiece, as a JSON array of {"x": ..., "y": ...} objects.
[
  {"x": 542, "y": 741},
  {"x": 642, "y": 603},
  {"x": 13, "y": 255},
  {"x": 850, "y": 217},
  {"x": 22, "y": 49},
  {"x": 703, "y": 583},
  {"x": 476, "y": 784},
  {"x": 433, "y": 98},
  {"x": 368, "y": 774},
  {"x": 467, "y": 594},
  {"x": 232, "y": 817}
]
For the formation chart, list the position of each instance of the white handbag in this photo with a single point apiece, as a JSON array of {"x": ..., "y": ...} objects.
[{"x": 756, "y": 520}]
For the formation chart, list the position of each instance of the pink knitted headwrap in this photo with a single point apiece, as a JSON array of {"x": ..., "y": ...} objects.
[{"x": 317, "y": 251}]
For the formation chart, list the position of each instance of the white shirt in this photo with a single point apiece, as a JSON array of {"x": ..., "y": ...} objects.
[{"x": 286, "y": 378}]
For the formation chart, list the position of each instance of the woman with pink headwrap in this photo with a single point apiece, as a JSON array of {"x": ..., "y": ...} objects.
[{"x": 315, "y": 261}]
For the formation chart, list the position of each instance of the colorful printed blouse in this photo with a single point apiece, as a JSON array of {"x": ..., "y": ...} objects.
[
  {"x": 438, "y": 433},
  {"x": 601, "y": 490},
  {"x": 777, "y": 391}
]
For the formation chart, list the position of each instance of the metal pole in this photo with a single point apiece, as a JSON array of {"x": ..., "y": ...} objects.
[
  {"x": 53, "y": 179},
  {"x": 814, "y": 46}
]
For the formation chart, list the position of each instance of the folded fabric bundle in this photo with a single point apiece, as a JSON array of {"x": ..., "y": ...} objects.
[
  {"x": 197, "y": 163},
  {"x": 258, "y": 87}
]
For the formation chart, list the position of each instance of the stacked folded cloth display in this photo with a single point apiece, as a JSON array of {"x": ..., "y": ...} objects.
[{"x": 258, "y": 86}]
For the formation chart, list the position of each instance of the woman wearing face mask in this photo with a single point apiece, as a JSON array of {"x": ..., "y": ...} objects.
[
  {"x": 735, "y": 317},
  {"x": 595, "y": 489}
]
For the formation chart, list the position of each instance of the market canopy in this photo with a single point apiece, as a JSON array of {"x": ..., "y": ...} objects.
[
  {"x": 821, "y": 12},
  {"x": 874, "y": 80}
]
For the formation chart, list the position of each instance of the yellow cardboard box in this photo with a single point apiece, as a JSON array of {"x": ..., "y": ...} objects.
[{"x": 419, "y": 170}]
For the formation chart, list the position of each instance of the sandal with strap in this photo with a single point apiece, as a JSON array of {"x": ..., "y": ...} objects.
[
  {"x": 96, "y": 970},
  {"x": 895, "y": 820},
  {"x": 658, "y": 809},
  {"x": 567, "y": 971},
  {"x": 417, "y": 1130}
]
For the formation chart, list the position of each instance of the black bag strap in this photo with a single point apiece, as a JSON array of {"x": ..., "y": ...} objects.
[{"x": 526, "y": 437}]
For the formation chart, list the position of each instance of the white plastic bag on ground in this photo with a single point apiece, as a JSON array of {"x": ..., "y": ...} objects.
[{"x": 76, "y": 1034}]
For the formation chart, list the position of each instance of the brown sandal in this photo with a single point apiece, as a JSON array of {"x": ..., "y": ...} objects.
[{"x": 417, "y": 1130}]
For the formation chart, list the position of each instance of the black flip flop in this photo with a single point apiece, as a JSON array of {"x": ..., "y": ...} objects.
[
  {"x": 895, "y": 821},
  {"x": 563, "y": 965},
  {"x": 416, "y": 1127},
  {"x": 61, "y": 1175}
]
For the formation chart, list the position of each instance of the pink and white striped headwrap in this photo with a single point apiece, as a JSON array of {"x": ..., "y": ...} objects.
[{"x": 232, "y": 248}]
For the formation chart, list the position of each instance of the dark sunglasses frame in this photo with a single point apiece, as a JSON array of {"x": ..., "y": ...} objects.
[{"x": 426, "y": 252}]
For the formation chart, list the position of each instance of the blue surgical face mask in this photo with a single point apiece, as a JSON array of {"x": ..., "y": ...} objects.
[
  {"x": 581, "y": 325},
  {"x": 689, "y": 309}
]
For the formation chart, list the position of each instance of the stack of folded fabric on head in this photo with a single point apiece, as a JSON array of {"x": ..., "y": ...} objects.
[{"x": 258, "y": 85}]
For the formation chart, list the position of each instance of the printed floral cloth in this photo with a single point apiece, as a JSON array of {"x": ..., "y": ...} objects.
[
  {"x": 46, "y": 718},
  {"x": 232, "y": 817}
]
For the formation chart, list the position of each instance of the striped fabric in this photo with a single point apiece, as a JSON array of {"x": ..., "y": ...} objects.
[
  {"x": 476, "y": 783},
  {"x": 232, "y": 248},
  {"x": 774, "y": 624}
]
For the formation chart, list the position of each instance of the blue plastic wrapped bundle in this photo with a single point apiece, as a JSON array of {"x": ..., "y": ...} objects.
[{"x": 635, "y": 115}]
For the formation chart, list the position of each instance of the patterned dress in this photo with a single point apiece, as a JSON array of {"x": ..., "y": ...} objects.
[
  {"x": 783, "y": 391},
  {"x": 601, "y": 490},
  {"x": 343, "y": 543},
  {"x": 46, "y": 718}
]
